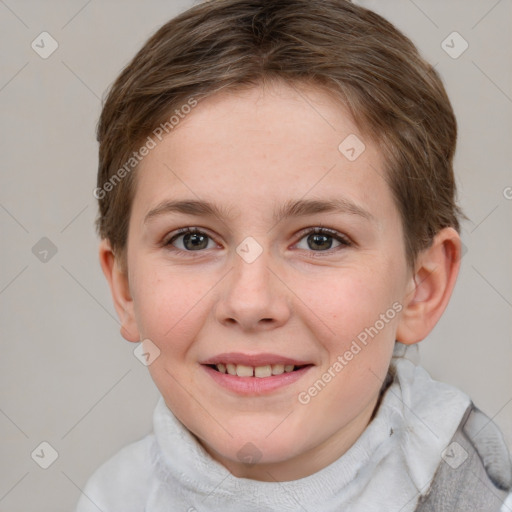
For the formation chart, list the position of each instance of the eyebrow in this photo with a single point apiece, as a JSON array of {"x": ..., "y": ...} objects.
[{"x": 297, "y": 208}]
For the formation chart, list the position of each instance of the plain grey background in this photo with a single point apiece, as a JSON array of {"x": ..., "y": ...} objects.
[{"x": 67, "y": 376}]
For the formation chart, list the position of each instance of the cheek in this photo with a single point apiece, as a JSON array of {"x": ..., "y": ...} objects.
[
  {"x": 358, "y": 347},
  {"x": 357, "y": 314},
  {"x": 169, "y": 306},
  {"x": 346, "y": 302}
]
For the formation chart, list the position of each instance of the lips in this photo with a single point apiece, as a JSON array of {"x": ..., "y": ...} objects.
[
  {"x": 251, "y": 385},
  {"x": 254, "y": 365}
]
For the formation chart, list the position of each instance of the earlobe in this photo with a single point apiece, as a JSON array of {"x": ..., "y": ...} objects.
[
  {"x": 117, "y": 278},
  {"x": 431, "y": 287}
]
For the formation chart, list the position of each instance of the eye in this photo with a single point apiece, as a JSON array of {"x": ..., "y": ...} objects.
[
  {"x": 190, "y": 239},
  {"x": 322, "y": 239}
]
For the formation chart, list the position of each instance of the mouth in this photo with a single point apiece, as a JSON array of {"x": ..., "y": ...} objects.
[
  {"x": 255, "y": 374},
  {"x": 254, "y": 365},
  {"x": 260, "y": 372}
]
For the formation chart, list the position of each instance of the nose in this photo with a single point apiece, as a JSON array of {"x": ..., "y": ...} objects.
[{"x": 253, "y": 297}]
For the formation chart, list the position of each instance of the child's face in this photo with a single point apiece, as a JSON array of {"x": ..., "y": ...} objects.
[{"x": 305, "y": 298}]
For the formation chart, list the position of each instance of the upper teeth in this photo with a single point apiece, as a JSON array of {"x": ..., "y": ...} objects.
[{"x": 258, "y": 371}]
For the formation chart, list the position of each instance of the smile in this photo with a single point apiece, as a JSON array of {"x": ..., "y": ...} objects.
[
  {"x": 254, "y": 374},
  {"x": 260, "y": 372}
]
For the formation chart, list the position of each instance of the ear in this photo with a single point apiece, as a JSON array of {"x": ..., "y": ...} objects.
[
  {"x": 430, "y": 287},
  {"x": 117, "y": 278}
]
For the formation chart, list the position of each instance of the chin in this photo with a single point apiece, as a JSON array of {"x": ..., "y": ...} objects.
[{"x": 253, "y": 449}]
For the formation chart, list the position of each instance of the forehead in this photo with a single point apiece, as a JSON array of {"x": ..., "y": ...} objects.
[{"x": 259, "y": 148}]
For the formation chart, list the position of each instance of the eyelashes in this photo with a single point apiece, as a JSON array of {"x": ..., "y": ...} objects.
[
  {"x": 320, "y": 234},
  {"x": 194, "y": 241},
  {"x": 193, "y": 235}
]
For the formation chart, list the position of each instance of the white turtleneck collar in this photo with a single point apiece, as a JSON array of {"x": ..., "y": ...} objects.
[{"x": 390, "y": 465}]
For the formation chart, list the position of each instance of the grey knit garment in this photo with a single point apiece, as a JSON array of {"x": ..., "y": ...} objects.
[{"x": 476, "y": 471}]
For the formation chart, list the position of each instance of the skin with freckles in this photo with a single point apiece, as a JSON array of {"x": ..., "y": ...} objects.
[{"x": 307, "y": 296}]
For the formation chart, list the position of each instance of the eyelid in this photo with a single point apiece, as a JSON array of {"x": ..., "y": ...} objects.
[
  {"x": 182, "y": 231},
  {"x": 341, "y": 237},
  {"x": 168, "y": 239}
]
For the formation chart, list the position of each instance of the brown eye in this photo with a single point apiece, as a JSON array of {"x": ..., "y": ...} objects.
[
  {"x": 322, "y": 239},
  {"x": 319, "y": 242},
  {"x": 191, "y": 240}
]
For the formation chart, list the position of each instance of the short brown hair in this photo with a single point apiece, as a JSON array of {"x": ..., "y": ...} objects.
[{"x": 394, "y": 96}]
